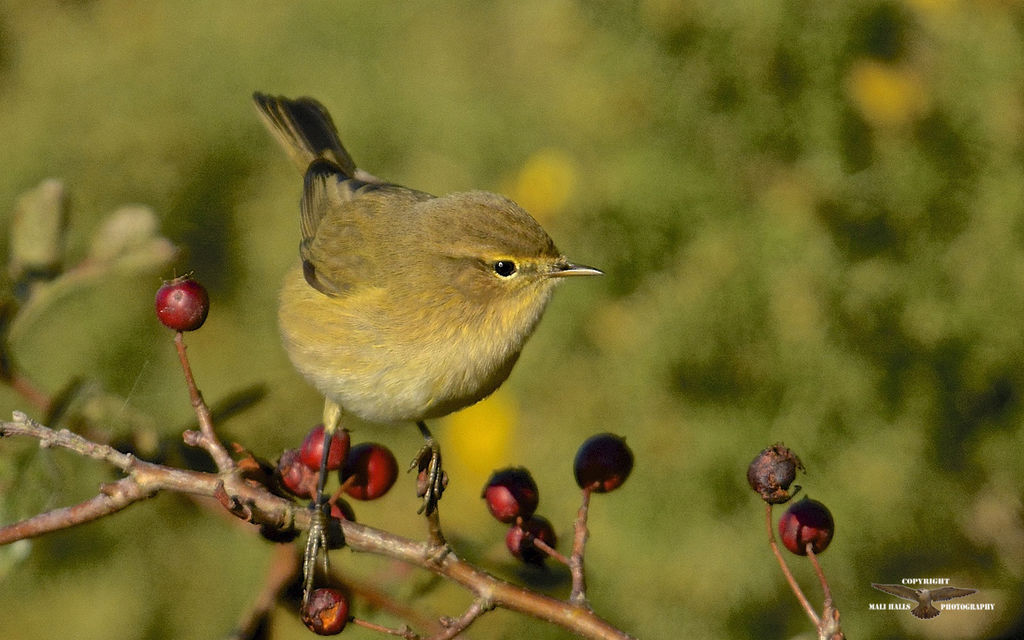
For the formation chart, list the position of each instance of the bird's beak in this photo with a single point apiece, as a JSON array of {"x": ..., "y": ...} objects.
[{"x": 566, "y": 268}]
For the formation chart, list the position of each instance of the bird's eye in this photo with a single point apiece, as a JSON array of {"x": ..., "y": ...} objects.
[{"x": 505, "y": 268}]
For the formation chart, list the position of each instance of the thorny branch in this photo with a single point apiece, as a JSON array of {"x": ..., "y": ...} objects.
[{"x": 254, "y": 503}]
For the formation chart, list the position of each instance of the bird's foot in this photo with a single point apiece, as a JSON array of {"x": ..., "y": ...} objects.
[
  {"x": 431, "y": 479},
  {"x": 316, "y": 544}
]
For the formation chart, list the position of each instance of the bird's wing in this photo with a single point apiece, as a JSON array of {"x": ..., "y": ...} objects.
[
  {"x": 948, "y": 593},
  {"x": 349, "y": 228},
  {"x": 898, "y": 590}
]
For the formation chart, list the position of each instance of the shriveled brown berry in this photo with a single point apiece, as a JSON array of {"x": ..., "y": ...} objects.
[
  {"x": 806, "y": 522},
  {"x": 369, "y": 471},
  {"x": 771, "y": 473},
  {"x": 603, "y": 462},
  {"x": 511, "y": 493},
  {"x": 182, "y": 304},
  {"x": 520, "y": 537},
  {"x": 326, "y": 613},
  {"x": 294, "y": 476},
  {"x": 312, "y": 451}
]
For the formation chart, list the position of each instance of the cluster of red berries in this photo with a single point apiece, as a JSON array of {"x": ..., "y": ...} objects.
[
  {"x": 602, "y": 464},
  {"x": 367, "y": 470},
  {"x": 806, "y": 524}
]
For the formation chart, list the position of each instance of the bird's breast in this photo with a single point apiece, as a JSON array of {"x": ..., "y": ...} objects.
[{"x": 387, "y": 358}]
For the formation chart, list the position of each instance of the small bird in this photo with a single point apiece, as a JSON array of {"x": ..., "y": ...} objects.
[
  {"x": 403, "y": 306},
  {"x": 924, "y": 597}
]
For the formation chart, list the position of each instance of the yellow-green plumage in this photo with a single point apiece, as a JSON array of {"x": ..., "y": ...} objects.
[{"x": 399, "y": 309}]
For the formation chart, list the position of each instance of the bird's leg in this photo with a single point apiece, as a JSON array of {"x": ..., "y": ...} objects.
[
  {"x": 428, "y": 463},
  {"x": 316, "y": 543}
]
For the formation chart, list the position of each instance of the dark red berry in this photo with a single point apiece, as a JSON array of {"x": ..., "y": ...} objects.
[
  {"x": 326, "y": 613},
  {"x": 182, "y": 304},
  {"x": 296, "y": 477},
  {"x": 771, "y": 473},
  {"x": 511, "y": 493},
  {"x": 312, "y": 451},
  {"x": 520, "y": 537},
  {"x": 806, "y": 522},
  {"x": 275, "y": 534},
  {"x": 603, "y": 462},
  {"x": 338, "y": 510},
  {"x": 342, "y": 510},
  {"x": 369, "y": 471}
]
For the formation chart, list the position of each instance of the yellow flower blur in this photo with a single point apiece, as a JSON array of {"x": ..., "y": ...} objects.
[
  {"x": 886, "y": 95},
  {"x": 545, "y": 183}
]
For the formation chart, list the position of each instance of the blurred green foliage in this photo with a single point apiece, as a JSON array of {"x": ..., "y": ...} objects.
[{"x": 812, "y": 220}]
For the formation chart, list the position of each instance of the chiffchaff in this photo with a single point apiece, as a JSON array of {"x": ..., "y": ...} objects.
[{"x": 404, "y": 306}]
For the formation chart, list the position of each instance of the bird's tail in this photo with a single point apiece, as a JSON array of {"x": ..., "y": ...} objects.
[
  {"x": 925, "y": 611},
  {"x": 306, "y": 131}
]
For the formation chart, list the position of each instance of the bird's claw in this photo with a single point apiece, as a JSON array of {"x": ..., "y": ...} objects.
[
  {"x": 316, "y": 544},
  {"x": 431, "y": 479}
]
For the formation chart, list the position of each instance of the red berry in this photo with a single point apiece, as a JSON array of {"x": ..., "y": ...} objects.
[
  {"x": 519, "y": 539},
  {"x": 312, "y": 451},
  {"x": 771, "y": 473},
  {"x": 182, "y": 304},
  {"x": 297, "y": 478},
  {"x": 342, "y": 510},
  {"x": 369, "y": 471},
  {"x": 327, "y": 611},
  {"x": 511, "y": 493},
  {"x": 603, "y": 462},
  {"x": 806, "y": 521},
  {"x": 339, "y": 510}
]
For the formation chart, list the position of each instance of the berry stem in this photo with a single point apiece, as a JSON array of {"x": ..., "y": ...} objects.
[
  {"x": 581, "y": 533},
  {"x": 210, "y": 442},
  {"x": 785, "y": 569},
  {"x": 437, "y": 539},
  {"x": 829, "y": 627},
  {"x": 821, "y": 576},
  {"x": 548, "y": 549},
  {"x": 401, "y": 632}
]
